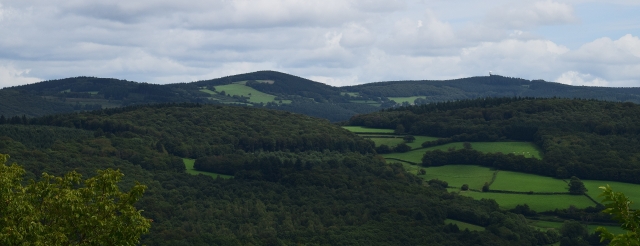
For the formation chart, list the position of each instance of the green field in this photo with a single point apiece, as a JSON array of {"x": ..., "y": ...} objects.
[
  {"x": 464, "y": 225},
  {"x": 188, "y": 163},
  {"x": 515, "y": 181},
  {"x": 353, "y": 94},
  {"x": 542, "y": 224},
  {"x": 405, "y": 99},
  {"x": 539, "y": 203},
  {"x": 362, "y": 129},
  {"x": 411, "y": 156},
  {"x": 254, "y": 95},
  {"x": 518, "y": 148},
  {"x": 632, "y": 191},
  {"x": 457, "y": 175},
  {"x": 527, "y": 149}
]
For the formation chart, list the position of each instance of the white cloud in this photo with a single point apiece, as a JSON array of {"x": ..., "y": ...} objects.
[
  {"x": 11, "y": 76},
  {"x": 334, "y": 41},
  {"x": 355, "y": 35},
  {"x": 576, "y": 78},
  {"x": 625, "y": 50},
  {"x": 531, "y": 14}
]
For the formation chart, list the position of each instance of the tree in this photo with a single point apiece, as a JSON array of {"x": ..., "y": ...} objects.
[
  {"x": 422, "y": 171},
  {"x": 409, "y": 138},
  {"x": 467, "y": 145},
  {"x": 576, "y": 187},
  {"x": 485, "y": 187},
  {"x": 68, "y": 211},
  {"x": 618, "y": 205},
  {"x": 464, "y": 187},
  {"x": 402, "y": 147},
  {"x": 399, "y": 129}
]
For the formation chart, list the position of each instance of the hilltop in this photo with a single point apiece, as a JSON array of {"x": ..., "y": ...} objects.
[{"x": 275, "y": 90}]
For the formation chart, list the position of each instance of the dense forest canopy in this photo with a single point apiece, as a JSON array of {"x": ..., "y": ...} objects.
[{"x": 302, "y": 181}]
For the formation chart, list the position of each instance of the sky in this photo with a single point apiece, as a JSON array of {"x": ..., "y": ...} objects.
[{"x": 337, "y": 42}]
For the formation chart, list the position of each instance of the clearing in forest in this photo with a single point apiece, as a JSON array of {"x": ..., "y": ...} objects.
[
  {"x": 188, "y": 164},
  {"x": 362, "y": 129},
  {"x": 410, "y": 100},
  {"x": 254, "y": 95}
]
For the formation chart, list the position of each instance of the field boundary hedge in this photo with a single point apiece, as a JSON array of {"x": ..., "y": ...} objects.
[
  {"x": 528, "y": 192},
  {"x": 396, "y": 159}
]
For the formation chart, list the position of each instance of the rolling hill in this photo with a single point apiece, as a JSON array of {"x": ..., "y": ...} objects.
[{"x": 282, "y": 91}]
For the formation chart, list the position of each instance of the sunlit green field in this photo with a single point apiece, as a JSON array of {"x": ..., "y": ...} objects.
[
  {"x": 519, "y": 148},
  {"x": 538, "y": 203},
  {"x": 463, "y": 225},
  {"x": 254, "y": 95},
  {"x": 527, "y": 149},
  {"x": 362, "y": 129},
  {"x": 457, "y": 175},
  {"x": 632, "y": 191},
  {"x": 405, "y": 99},
  {"x": 515, "y": 181},
  {"x": 188, "y": 164}
]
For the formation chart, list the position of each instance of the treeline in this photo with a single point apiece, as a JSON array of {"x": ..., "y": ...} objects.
[
  {"x": 491, "y": 86},
  {"x": 339, "y": 196},
  {"x": 585, "y": 138},
  {"x": 194, "y": 130}
]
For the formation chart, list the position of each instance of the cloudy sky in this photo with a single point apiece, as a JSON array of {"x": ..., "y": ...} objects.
[{"x": 338, "y": 42}]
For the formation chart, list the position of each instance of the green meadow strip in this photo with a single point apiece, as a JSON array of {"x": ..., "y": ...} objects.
[{"x": 188, "y": 164}]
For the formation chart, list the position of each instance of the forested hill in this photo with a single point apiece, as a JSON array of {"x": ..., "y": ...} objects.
[
  {"x": 296, "y": 179},
  {"x": 584, "y": 138},
  {"x": 275, "y": 90},
  {"x": 490, "y": 86}
]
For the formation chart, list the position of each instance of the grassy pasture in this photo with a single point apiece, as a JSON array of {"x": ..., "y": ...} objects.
[
  {"x": 188, "y": 163},
  {"x": 243, "y": 90},
  {"x": 632, "y": 191},
  {"x": 405, "y": 99},
  {"x": 515, "y": 181},
  {"x": 527, "y": 149},
  {"x": 539, "y": 203},
  {"x": 457, "y": 175},
  {"x": 264, "y": 81},
  {"x": 543, "y": 224},
  {"x": 486, "y": 147},
  {"x": 464, "y": 225},
  {"x": 361, "y": 129}
]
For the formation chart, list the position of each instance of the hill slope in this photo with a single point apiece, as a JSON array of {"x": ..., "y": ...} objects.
[
  {"x": 282, "y": 91},
  {"x": 585, "y": 138},
  {"x": 299, "y": 181}
]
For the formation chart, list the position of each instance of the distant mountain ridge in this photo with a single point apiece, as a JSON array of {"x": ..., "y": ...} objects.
[{"x": 283, "y": 91}]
